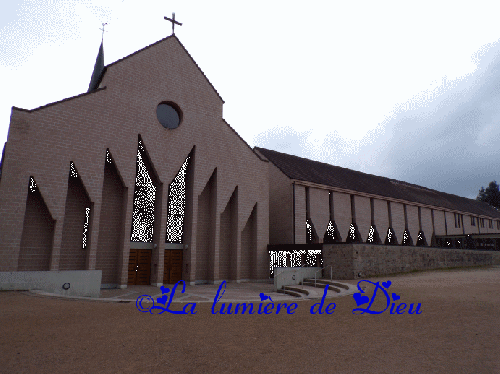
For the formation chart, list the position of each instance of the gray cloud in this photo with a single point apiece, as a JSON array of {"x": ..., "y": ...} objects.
[{"x": 447, "y": 139}]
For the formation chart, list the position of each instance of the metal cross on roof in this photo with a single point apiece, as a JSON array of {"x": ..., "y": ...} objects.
[
  {"x": 174, "y": 22},
  {"x": 104, "y": 24}
]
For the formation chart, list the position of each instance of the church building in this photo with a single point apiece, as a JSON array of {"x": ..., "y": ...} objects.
[{"x": 143, "y": 179}]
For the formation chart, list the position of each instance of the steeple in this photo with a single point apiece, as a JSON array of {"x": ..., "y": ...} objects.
[
  {"x": 99, "y": 65},
  {"x": 98, "y": 69}
]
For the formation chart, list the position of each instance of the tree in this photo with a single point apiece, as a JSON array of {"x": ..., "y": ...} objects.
[{"x": 490, "y": 195}]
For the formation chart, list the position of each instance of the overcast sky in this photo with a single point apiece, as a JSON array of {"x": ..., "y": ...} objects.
[{"x": 406, "y": 91}]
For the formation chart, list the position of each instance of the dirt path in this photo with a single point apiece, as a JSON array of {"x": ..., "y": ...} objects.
[{"x": 458, "y": 331}]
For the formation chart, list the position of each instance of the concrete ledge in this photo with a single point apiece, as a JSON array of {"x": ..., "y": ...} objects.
[
  {"x": 85, "y": 283},
  {"x": 356, "y": 260},
  {"x": 293, "y": 276}
]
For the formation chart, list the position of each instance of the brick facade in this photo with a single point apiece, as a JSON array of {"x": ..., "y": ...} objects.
[
  {"x": 43, "y": 142},
  {"x": 237, "y": 202}
]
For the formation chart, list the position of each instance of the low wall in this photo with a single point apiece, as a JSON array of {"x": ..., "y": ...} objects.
[
  {"x": 350, "y": 260},
  {"x": 65, "y": 282},
  {"x": 293, "y": 276}
]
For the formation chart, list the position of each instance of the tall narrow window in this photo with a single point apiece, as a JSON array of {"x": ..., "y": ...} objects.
[
  {"x": 85, "y": 227},
  {"x": 177, "y": 205}
]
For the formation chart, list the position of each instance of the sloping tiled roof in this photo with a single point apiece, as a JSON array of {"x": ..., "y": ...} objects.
[{"x": 335, "y": 176}]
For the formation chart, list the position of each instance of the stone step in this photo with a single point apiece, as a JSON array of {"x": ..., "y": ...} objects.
[
  {"x": 296, "y": 289},
  {"x": 291, "y": 293},
  {"x": 331, "y": 283},
  {"x": 320, "y": 285}
]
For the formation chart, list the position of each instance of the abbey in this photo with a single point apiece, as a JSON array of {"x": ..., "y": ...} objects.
[{"x": 142, "y": 178}]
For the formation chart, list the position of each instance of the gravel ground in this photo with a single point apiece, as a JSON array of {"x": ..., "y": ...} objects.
[{"x": 458, "y": 331}]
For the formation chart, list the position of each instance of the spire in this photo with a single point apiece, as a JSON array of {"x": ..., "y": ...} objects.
[{"x": 99, "y": 65}]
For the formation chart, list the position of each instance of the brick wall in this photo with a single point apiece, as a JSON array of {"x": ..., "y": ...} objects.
[
  {"x": 363, "y": 215},
  {"x": 36, "y": 241},
  {"x": 320, "y": 210},
  {"x": 228, "y": 239},
  {"x": 342, "y": 213},
  {"x": 300, "y": 214},
  {"x": 439, "y": 224},
  {"x": 280, "y": 207},
  {"x": 427, "y": 224},
  {"x": 348, "y": 260},
  {"x": 73, "y": 256},
  {"x": 42, "y": 142},
  {"x": 398, "y": 220},
  {"x": 248, "y": 247},
  {"x": 450, "y": 224},
  {"x": 381, "y": 217},
  {"x": 111, "y": 222},
  {"x": 413, "y": 225},
  {"x": 206, "y": 231}
]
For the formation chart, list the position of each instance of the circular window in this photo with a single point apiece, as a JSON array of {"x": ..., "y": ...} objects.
[{"x": 169, "y": 115}]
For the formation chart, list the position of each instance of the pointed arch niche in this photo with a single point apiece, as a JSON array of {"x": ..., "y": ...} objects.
[
  {"x": 228, "y": 238},
  {"x": 249, "y": 246},
  {"x": 111, "y": 226},
  {"x": 205, "y": 236},
  {"x": 38, "y": 232},
  {"x": 76, "y": 227}
]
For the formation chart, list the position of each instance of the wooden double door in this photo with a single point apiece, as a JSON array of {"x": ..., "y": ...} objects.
[
  {"x": 139, "y": 267},
  {"x": 172, "y": 272}
]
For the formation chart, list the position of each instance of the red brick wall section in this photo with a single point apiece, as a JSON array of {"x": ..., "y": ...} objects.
[
  {"x": 300, "y": 214},
  {"x": 469, "y": 229},
  {"x": 111, "y": 222},
  {"x": 73, "y": 256},
  {"x": 206, "y": 230},
  {"x": 413, "y": 226},
  {"x": 280, "y": 207},
  {"x": 381, "y": 216},
  {"x": 248, "y": 247},
  {"x": 439, "y": 225},
  {"x": 38, "y": 231},
  {"x": 363, "y": 215},
  {"x": 398, "y": 220},
  {"x": 450, "y": 224},
  {"x": 320, "y": 210},
  {"x": 228, "y": 234},
  {"x": 426, "y": 224},
  {"x": 342, "y": 213}
]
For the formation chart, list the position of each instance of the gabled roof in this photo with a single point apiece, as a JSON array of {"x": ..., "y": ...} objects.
[{"x": 302, "y": 169}]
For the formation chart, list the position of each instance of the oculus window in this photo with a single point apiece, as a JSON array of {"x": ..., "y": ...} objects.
[{"x": 169, "y": 115}]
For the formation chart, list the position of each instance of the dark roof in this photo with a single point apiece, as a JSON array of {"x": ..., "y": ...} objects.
[{"x": 335, "y": 176}]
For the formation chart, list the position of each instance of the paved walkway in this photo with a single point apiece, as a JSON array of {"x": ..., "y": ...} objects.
[{"x": 233, "y": 292}]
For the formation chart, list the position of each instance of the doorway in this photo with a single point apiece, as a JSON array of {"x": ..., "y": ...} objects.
[
  {"x": 139, "y": 267},
  {"x": 172, "y": 270}
]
